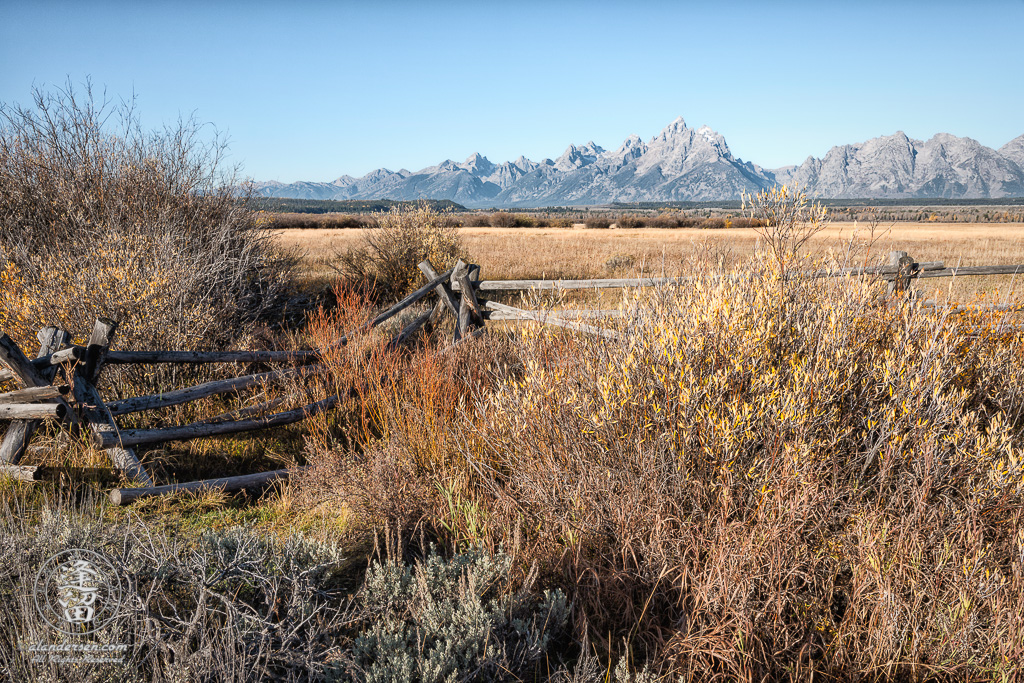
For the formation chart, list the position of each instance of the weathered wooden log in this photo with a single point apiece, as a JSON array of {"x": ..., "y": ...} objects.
[
  {"x": 469, "y": 307},
  {"x": 5, "y": 375},
  {"x": 21, "y": 472},
  {"x": 599, "y": 283},
  {"x": 32, "y": 411},
  {"x": 899, "y": 283},
  {"x": 971, "y": 270},
  {"x": 53, "y": 340},
  {"x": 136, "y": 437},
  {"x": 576, "y": 314},
  {"x": 213, "y": 388},
  {"x": 972, "y": 308},
  {"x": 886, "y": 272},
  {"x": 32, "y": 473},
  {"x": 606, "y": 283},
  {"x": 68, "y": 355},
  {"x": 462, "y": 277},
  {"x": 20, "y": 432},
  {"x": 91, "y": 405},
  {"x": 34, "y": 394},
  {"x": 126, "y": 496},
  {"x": 105, "y": 430},
  {"x": 97, "y": 347},
  {"x": 563, "y": 315},
  {"x": 612, "y": 283},
  {"x": 22, "y": 367},
  {"x": 412, "y": 328},
  {"x": 546, "y": 318},
  {"x": 444, "y": 290},
  {"x": 411, "y": 299}
]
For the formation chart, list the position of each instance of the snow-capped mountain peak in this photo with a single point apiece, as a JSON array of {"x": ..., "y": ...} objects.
[{"x": 682, "y": 163}]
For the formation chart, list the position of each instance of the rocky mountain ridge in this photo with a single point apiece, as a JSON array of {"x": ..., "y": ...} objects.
[{"x": 687, "y": 164}]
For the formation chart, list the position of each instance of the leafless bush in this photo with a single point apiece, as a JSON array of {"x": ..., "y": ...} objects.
[
  {"x": 620, "y": 262},
  {"x": 786, "y": 219},
  {"x": 318, "y": 221},
  {"x": 99, "y": 217},
  {"x": 386, "y": 265},
  {"x": 672, "y": 220},
  {"x": 502, "y": 219},
  {"x": 226, "y": 606},
  {"x": 630, "y": 220},
  {"x": 477, "y": 220},
  {"x": 745, "y": 222}
]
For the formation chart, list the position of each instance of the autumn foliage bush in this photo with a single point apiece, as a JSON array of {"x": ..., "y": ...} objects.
[{"x": 763, "y": 478}]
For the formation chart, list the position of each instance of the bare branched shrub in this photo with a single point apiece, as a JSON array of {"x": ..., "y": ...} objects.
[
  {"x": 477, "y": 220},
  {"x": 786, "y": 219},
  {"x": 620, "y": 262},
  {"x": 317, "y": 221},
  {"x": 99, "y": 217},
  {"x": 386, "y": 264},
  {"x": 230, "y": 605},
  {"x": 502, "y": 219},
  {"x": 630, "y": 220}
]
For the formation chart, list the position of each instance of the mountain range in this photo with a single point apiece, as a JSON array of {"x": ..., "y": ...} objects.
[{"x": 692, "y": 164}]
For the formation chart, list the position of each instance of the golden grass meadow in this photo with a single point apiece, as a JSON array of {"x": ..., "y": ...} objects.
[{"x": 759, "y": 477}]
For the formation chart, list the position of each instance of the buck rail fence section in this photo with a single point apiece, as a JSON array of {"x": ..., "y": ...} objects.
[{"x": 60, "y": 383}]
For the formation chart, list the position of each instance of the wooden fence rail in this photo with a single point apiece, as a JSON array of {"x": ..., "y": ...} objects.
[
  {"x": 60, "y": 384},
  {"x": 77, "y": 402}
]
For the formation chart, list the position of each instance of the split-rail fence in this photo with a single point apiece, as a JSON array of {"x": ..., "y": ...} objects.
[{"x": 60, "y": 383}]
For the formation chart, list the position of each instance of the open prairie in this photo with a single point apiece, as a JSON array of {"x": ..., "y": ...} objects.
[{"x": 578, "y": 252}]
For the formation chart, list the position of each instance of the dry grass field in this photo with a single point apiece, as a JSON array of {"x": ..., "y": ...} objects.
[{"x": 520, "y": 253}]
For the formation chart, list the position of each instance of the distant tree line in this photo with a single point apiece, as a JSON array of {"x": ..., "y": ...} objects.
[{"x": 362, "y": 206}]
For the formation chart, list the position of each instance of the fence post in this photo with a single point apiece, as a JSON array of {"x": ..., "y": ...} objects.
[
  {"x": 470, "y": 315},
  {"x": 15, "y": 441},
  {"x": 94, "y": 411},
  {"x": 900, "y": 283}
]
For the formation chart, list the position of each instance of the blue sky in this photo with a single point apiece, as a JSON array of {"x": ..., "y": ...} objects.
[{"x": 313, "y": 90}]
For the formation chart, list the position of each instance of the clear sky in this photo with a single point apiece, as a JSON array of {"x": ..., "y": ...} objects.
[{"x": 314, "y": 90}]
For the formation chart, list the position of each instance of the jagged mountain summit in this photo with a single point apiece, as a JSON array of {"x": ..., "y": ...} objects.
[
  {"x": 895, "y": 166},
  {"x": 687, "y": 164},
  {"x": 1014, "y": 151}
]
